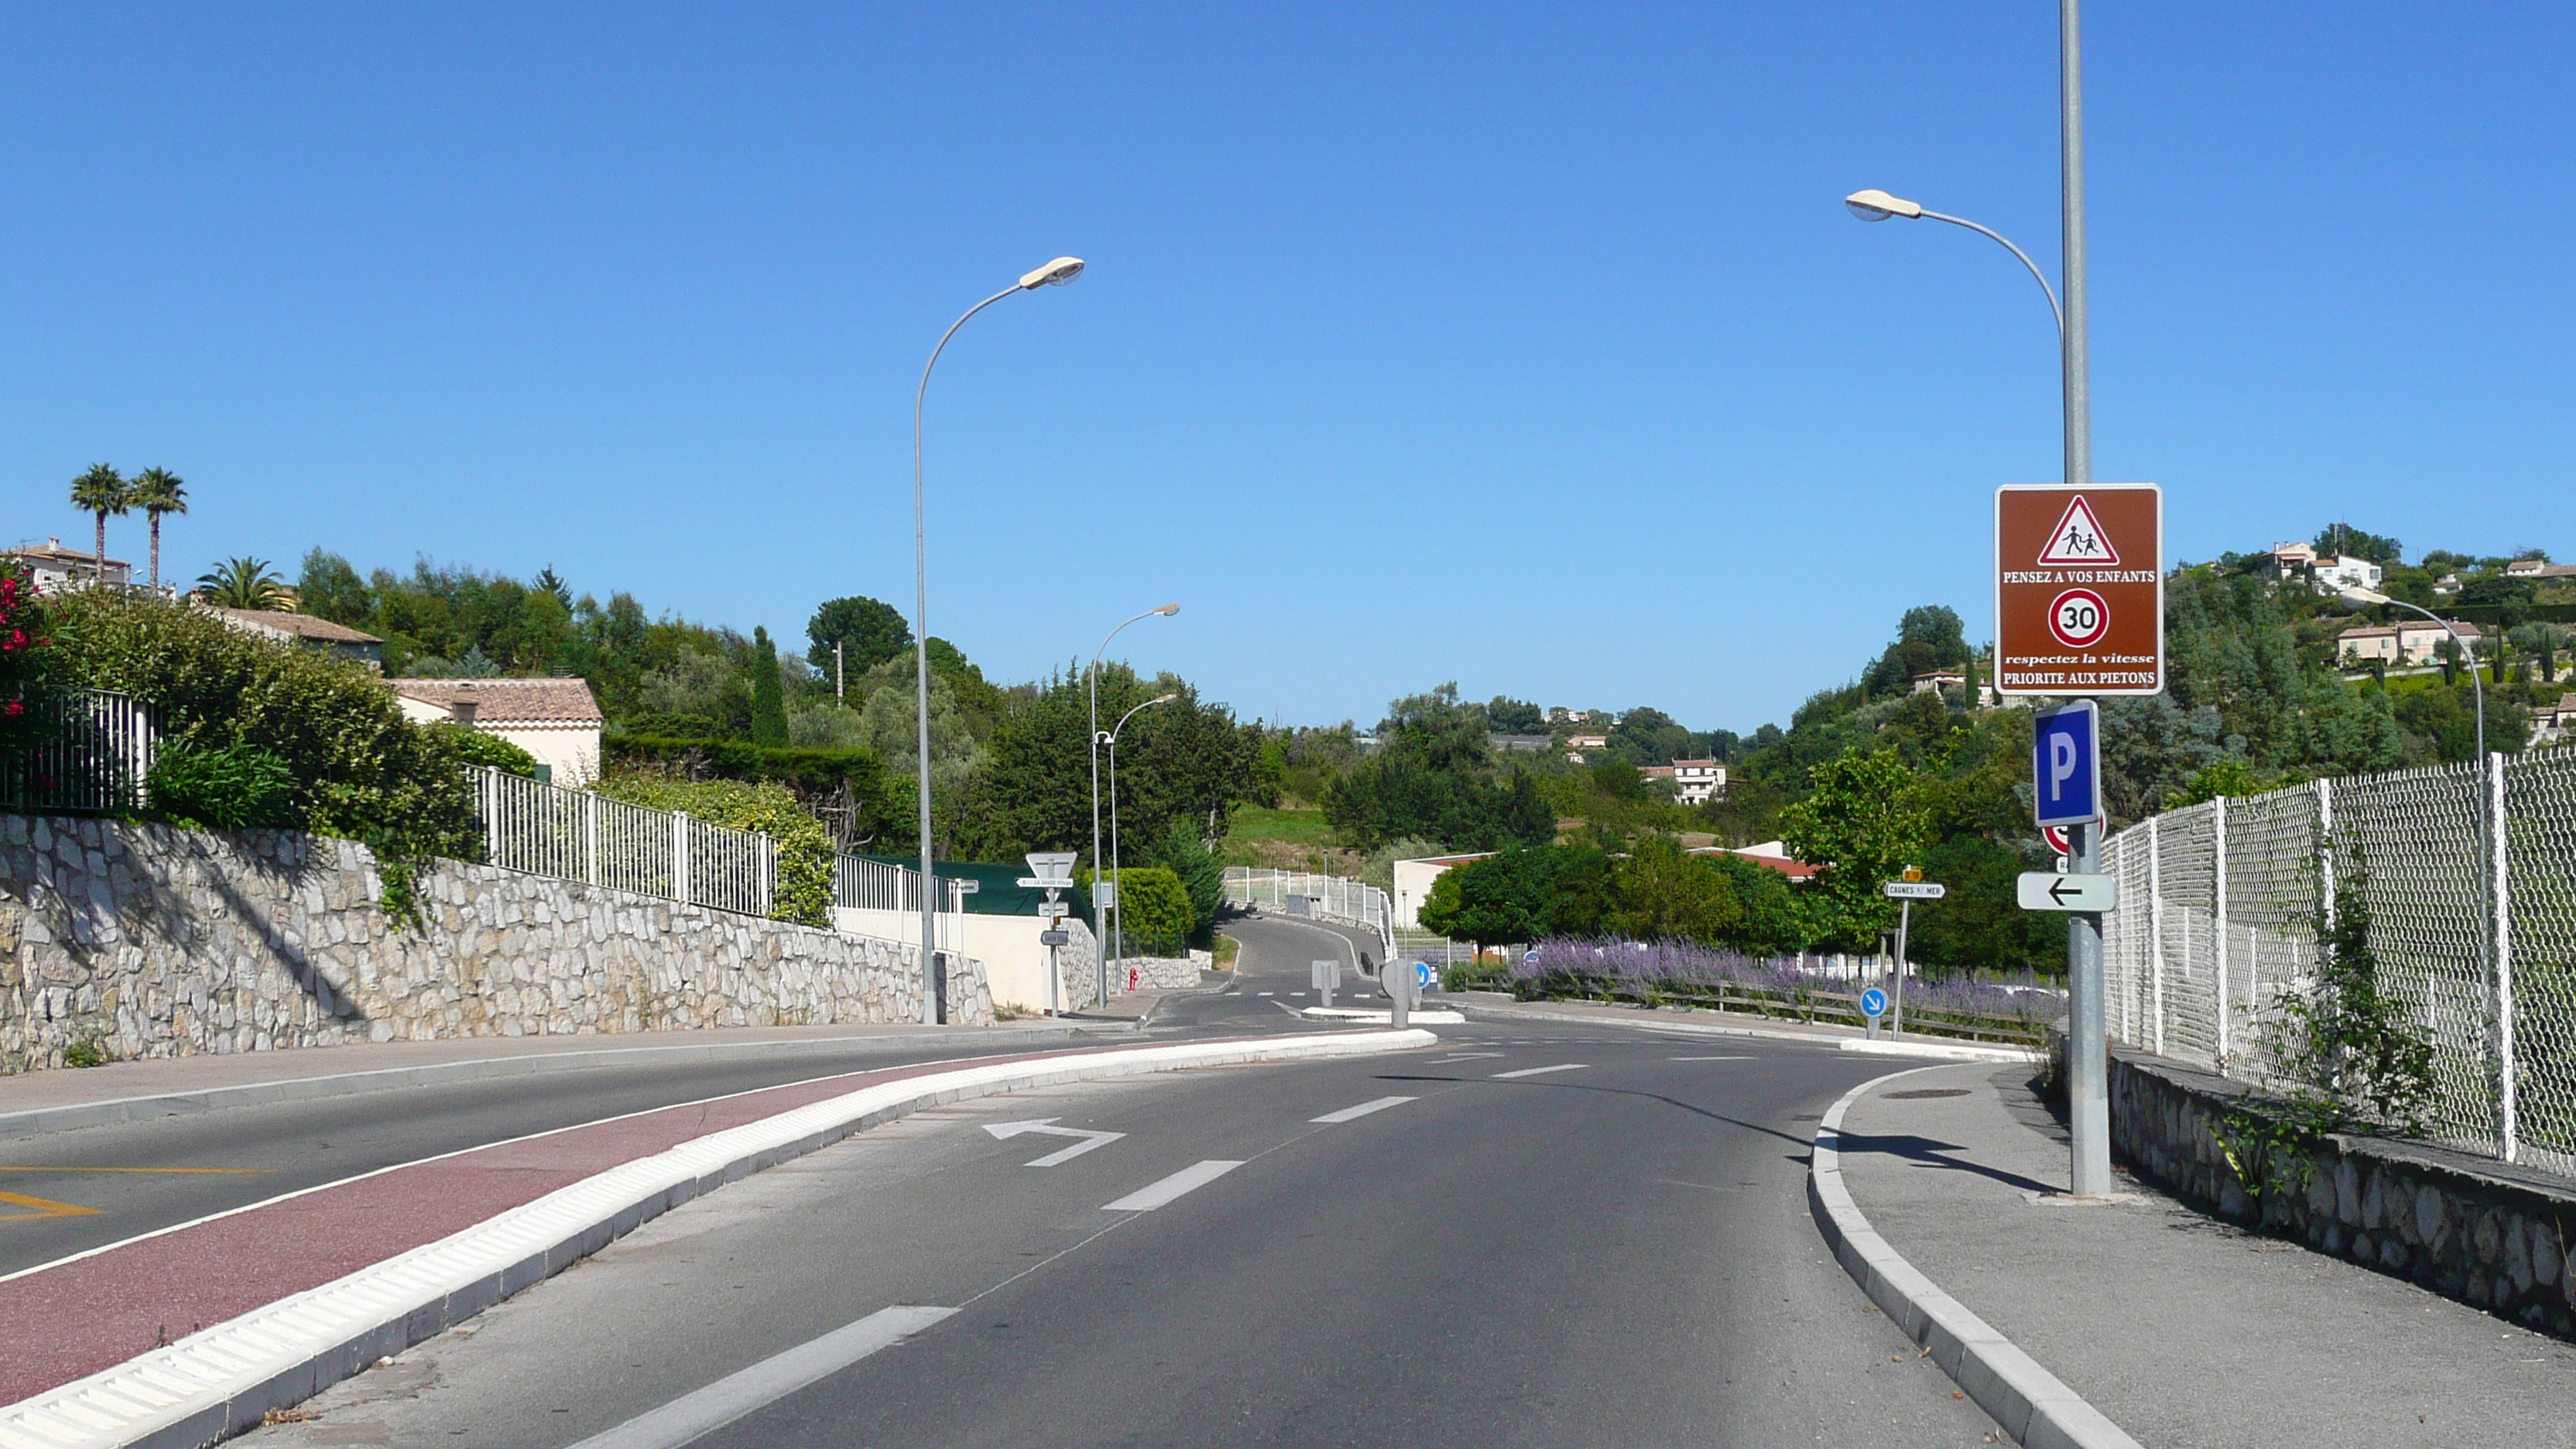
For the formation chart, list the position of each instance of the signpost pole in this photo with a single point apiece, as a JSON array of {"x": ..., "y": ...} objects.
[
  {"x": 1896, "y": 998},
  {"x": 2087, "y": 1089}
]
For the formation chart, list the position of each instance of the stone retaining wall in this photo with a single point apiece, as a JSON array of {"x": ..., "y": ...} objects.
[
  {"x": 152, "y": 941},
  {"x": 2490, "y": 1234}
]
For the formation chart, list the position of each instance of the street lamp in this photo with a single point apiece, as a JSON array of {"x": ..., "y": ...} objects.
[
  {"x": 1054, "y": 274},
  {"x": 1166, "y": 611},
  {"x": 2358, "y": 598},
  {"x": 2087, "y": 1085},
  {"x": 1875, "y": 205},
  {"x": 1119, "y": 906}
]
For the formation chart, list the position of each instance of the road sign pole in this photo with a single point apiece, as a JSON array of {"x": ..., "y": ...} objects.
[
  {"x": 1399, "y": 990},
  {"x": 1896, "y": 998},
  {"x": 2088, "y": 1097}
]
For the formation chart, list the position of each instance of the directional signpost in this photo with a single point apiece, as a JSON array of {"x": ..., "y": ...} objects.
[
  {"x": 1905, "y": 893},
  {"x": 1327, "y": 975},
  {"x": 2066, "y": 793},
  {"x": 2046, "y": 891},
  {"x": 1051, "y": 871}
]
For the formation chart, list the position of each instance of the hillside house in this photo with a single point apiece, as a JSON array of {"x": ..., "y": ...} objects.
[
  {"x": 307, "y": 632},
  {"x": 1413, "y": 880},
  {"x": 2554, "y": 724},
  {"x": 1696, "y": 782},
  {"x": 1576, "y": 746},
  {"x": 1771, "y": 853},
  {"x": 2539, "y": 569},
  {"x": 555, "y": 720},
  {"x": 55, "y": 568},
  {"x": 2405, "y": 645}
]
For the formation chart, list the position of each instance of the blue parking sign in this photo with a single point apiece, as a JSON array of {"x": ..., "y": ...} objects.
[{"x": 2066, "y": 764}]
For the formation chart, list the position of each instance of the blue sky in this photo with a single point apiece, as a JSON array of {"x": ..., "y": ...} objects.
[{"x": 1528, "y": 347}]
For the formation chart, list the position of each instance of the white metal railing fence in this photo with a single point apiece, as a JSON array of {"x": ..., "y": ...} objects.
[
  {"x": 1337, "y": 896},
  {"x": 861, "y": 884},
  {"x": 2469, "y": 873},
  {"x": 90, "y": 752},
  {"x": 581, "y": 835}
]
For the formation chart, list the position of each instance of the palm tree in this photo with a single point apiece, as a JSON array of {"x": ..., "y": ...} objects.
[
  {"x": 158, "y": 491},
  {"x": 242, "y": 583},
  {"x": 102, "y": 491}
]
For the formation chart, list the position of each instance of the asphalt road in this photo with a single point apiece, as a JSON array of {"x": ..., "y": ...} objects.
[
  {"x": 1559, "y": 1237},
  {"x": 131, "y": 1178},
  {"x": 138, "y": 1177}
]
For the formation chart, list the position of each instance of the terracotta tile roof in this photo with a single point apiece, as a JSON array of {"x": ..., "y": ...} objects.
[
  {"x": 302, "y": 626},
  {"x": 509, "y": 701}
]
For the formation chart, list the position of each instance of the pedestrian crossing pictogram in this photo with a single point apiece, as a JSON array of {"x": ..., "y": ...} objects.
[{"x": 2078, "y": 539}]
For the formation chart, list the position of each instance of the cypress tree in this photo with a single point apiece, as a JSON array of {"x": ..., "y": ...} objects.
[{"x": 768, "y": 701}]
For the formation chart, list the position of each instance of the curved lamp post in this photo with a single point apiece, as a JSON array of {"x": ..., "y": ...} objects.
[
  {"x": 1054, "y": 274},
  {"x": 1875, "y": 205},
  {"x": 1166, "y": 611},
  {"x": 1111, "y": 740}
]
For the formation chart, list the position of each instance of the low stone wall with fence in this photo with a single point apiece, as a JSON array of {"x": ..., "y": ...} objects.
[
  {"x": 148, "y": 940},
  {"x": 2487, "y": 1233}
]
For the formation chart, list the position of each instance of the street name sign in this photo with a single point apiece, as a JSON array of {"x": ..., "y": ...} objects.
[
  {"x": 1055, "y": 938},
  {"x": 2079, "y": 589},
  {"x": 1914, "y": 890},
  {"x": 1873, "y": 1003},
  {"x": 2045, "y": 891},
  {"x": 2066, "y": 764}
]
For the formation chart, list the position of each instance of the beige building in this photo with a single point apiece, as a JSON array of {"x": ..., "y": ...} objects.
[
  {"x": 2405, "y": 645},
  {"x": 1413, "y": 880},
  {"x": 555, "y": 720},
  {"x": 1696, "y": 782}
]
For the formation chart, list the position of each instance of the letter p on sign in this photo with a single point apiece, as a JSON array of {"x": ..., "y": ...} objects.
[{"x": 2066, "y": 764}]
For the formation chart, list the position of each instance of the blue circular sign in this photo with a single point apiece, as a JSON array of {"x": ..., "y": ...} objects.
[
  {"x": 1422, "y": 974},
  {"x": 1873, "y": 1002},
  {"x": 1530, "y": 959}
]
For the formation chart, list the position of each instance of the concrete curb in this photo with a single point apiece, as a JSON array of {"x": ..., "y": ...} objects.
[
  {"x": 1950, "y": 1051},
  {"x": 222, "y": 1380},
  {"x": 2028, "y": 1401},
  {"x": 37, "y": 1121}
]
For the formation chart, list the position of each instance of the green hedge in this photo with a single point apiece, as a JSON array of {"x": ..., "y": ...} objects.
[
  {"x": 359, "y": 769},
  {"x": 1154, "y": 909},
  {"x": 884, "y": 804}
]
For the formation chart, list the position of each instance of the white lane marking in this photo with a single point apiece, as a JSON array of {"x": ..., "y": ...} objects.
[
  {"x": 1348, "y": 1114},
  {"x": 1708, "y": 1059},
  {"x": 1463, "y": 1057},
  {"x": 692, "y": 1416},
  {"x": 1188, "y": 1179},
  {"x": 1043, "y": 1124},
  {"x": 1270, "y": 993},
  {"x": 1539, "y": 1071}
]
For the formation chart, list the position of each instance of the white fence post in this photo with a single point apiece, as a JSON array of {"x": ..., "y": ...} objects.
[
  {"x": 2218, "y": 920},
  {"x": 2509, "y": 1129},
  {"x": 590, "y": 837},
  {"x": 680, "y": 856},
  {"x": 2156, "y": 933}
]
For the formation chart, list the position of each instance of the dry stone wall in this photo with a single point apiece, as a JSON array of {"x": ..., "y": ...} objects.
[{"x": 152, "y": 941}]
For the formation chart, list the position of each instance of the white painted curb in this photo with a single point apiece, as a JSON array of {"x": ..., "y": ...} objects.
[
  {"x": 221, "y": 1380},
  {"x": 2027, "y": 1400},
  {"x": 1955, "y": 1051},
  {"x": 1435, "y": 1016}
]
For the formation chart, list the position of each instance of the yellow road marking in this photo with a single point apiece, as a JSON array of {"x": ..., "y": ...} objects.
[
  {"x": 221, "y": 1171},
  {"x": 45, "y": 1208}
]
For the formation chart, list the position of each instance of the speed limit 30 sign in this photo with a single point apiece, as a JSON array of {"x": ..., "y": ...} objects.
[{"x": 2079, "y": 589}]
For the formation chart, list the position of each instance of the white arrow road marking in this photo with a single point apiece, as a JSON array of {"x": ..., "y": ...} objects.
[
  {"x": 1363, "y": 1109},
  {"x": 1188, "y": 1179},
  {"x": 693, "y": 1416},
  {"x": 1092, "y": 1139},
  {"x": 1539, "y": 1071}
]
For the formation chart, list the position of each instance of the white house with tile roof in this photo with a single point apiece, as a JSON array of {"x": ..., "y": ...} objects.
[{"x": 555, "y": 720}]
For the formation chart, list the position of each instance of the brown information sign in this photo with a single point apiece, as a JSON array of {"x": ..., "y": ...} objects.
[{"x": 2079, "y": 589}]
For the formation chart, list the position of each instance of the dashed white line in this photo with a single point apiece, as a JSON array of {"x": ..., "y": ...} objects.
[
  {"x": 1188, "y": 1179},
  {"x": 1348, "y": 1114},
  {"x": 693, "y": 1416},
  {"x": 1540, "y": 1071},
  {"x": 1708, "y": 1059},
  {"x": 1461, "y": 1057}
]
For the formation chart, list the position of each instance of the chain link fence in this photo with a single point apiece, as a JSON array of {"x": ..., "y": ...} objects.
[{"x": 2469, "y": 873}]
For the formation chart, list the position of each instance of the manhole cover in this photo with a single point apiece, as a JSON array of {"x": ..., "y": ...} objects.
[{"x": 1928, "y": 1092}]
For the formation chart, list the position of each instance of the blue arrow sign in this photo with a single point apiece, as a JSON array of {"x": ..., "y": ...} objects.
[
  {"x": 1873, "y": 1002},
  {"x": 2066, "y": 764},
  {"x": 1422, "y": 974}
]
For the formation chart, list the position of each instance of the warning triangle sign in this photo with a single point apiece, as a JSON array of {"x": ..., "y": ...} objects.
[{"x": 2078, "y": 538}]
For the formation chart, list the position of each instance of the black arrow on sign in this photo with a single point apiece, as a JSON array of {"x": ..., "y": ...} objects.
[{"x": 2057, "y": 891}]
